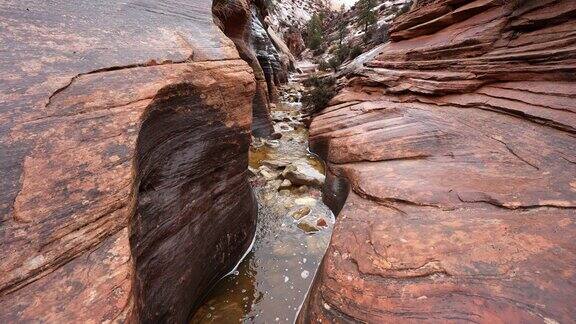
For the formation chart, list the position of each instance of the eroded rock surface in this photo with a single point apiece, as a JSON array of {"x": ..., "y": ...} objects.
[
  {"x": 458, "y": 143},
  {"x": 237, "y": 21},
  {"x": 295, "y": 41},
  {"x": 126, "y": 112},
  {"x": 245, "y": 22}
]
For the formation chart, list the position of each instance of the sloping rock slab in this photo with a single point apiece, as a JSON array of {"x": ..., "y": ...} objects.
[
  {"x": 459, "y": 147},
  {"x": 133, "y": 112}
]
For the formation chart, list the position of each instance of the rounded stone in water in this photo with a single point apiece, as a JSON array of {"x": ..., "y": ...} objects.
[
  {"x": 300, "y": 213},
  {"x": 301, "y": 173}
]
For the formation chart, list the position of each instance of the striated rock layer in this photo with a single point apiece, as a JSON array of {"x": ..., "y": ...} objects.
[
  {"x": 124, "y": 136},
  {"x": 244, "y": 22},
  {"x": 458, "y": 144}
]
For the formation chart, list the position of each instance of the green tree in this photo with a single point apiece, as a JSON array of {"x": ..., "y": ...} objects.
[
  {"x": 319, "y": 92},
  {"x": 366, "y": 16},
  {"x": 355, "y": 51},
  {"x": 334, "y": 63},
  {"x": 314, "y": 32},
  {"x": 342, "y": 27}
]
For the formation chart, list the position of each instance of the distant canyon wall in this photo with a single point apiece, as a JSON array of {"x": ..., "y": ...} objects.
[{"x": 246, "y": 22}]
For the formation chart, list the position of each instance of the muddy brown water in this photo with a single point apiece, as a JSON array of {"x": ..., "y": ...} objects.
[{"x": 271, "y": 283}]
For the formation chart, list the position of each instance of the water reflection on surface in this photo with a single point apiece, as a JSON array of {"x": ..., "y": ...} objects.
[{"x": 271, "y": 283}]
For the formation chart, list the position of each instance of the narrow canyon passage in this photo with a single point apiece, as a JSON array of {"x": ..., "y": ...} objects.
[
  {"x": 293, "y": 232},
  {"x": 156, "y": 165}
]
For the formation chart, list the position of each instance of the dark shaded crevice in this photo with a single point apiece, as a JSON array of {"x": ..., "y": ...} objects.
[
  {"x": 499, "y": 204},
  {"x": 336, "y": 187},
  {"x": 194, "y": 213},
  {"x": 514, "y": 153},
  {"x": 335, "y": 192},
  {"x": 415, "y": 157},
  {"x": 388, "y": 201}
]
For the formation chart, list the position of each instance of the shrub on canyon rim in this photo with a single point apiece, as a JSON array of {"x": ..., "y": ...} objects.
[
  {"x": 334, "y": 63},
  {"x": 381, "y": 35},
  {"x": 340, "y": 55},
  {"x": 321, "y": 91},
  {"x": 323, "y": 65},
  {"x": 314, "y": 32},
  {"x": 223, "y": 8},
  {"x": 356, "y": 51},
  {"x": 366, "y": 16}
]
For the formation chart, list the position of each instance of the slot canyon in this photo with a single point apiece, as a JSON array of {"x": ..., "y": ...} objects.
[{"x": 288, "y": 161}]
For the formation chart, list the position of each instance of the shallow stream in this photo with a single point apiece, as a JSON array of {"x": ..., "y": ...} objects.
[{"x": 293, "y": 232}]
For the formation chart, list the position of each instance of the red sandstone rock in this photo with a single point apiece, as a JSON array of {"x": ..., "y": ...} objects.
[
  {"x": 458, "y": 144},
  {"x": 295, "y": 41},
  {"x": 127, "y": 113},
  {"x": 237, "y": 22}
]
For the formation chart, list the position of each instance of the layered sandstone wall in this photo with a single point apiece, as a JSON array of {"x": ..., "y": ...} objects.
[
  {"x": 124, "y": 140},
  {"x": 244, "y": 21},
  {"x": 458, "y": 143}
]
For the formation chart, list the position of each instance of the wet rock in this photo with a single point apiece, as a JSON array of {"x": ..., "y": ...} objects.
[
  {"x": 257, "y": 142},
  {"x": 283, "y": 127},
  {"x": 300, "y": 213},
  {"x": 276, "y": 164},
  {"x": 301, "y": 173},
  {"x": 302, "y": 189},
  {"x": 258, "y": 182},
  {"x": 267, "y": 173},
  {"x": 285, "y": 184},
  {"x": 276, "y": 136},
  {"x": 308, "y": 227},
  {"x": 269, "y": 195},
  {"x": 308, "y": 201},
  {"x": 275, "y": 184},
  {"x": 272, "y": 143},
  {"x": 279, "y": 116},
  {"x": 253, "y": 171}
]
